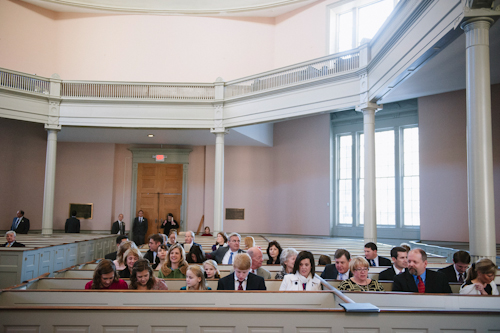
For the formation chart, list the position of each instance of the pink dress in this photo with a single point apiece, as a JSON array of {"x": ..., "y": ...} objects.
[{"x": 115, "y": 285}]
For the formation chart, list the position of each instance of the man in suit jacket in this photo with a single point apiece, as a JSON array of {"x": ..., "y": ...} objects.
[
  {"x": 256, "y": 255},
  {"x": 11, "y": 240},
  {"x": 419, "y": 279},
  {"x": 152, "y": 255},
  {"x": 189, "y": 241},
  {"x": 339, "y": 270},
  {"x": 118, "y": 227},
  {"x": 241, "y": 278},
  {"x": 119, "y": 239},
  {"x": 457, "y": 272},
  {"x": 20, "y": 224},
  {"x": 225, "y": 255},
  {"x": 72, "y": 225},
  {"x": 399, "y": 258},
  {"x": 140, "y": 228},
  {"x": 372, "y": 256}
]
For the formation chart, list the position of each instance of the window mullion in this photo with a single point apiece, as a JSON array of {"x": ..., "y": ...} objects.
[
  {"x": 355, "y": 219},
  {"x": 398, "y": 176}
]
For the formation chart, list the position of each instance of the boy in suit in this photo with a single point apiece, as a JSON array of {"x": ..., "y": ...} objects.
[{"x": 241, "y": 278}]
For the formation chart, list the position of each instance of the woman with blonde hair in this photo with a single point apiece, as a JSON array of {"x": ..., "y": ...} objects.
[
  {"x": 124, "y": 246},
  {"x": 211, "y": 269},
  {"x": 195, "y": 279},
  {"x": 175, "y": 266},
  {"x": 130, "y": 257},
  {"x": 480, "y": 279},
  {"x": 249, "y": 242},
  {"x": 360, "y": 281}
]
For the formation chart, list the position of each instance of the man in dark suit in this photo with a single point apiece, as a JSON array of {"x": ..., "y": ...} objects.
[
  {"x": 225, "y": 255},
  {"x": 399, "y": 258},
  {"x": 419, "y": 279},
  {"x": 20, "y": 224},
  {"x": 72, "y": 225},
  {"x": 372, "y": 256},
  {"x": 339, "y": 270},
  {"x": 11, "y": 240},
  {"x": 119, "y": 239},
  {"x": 152, "y": 255},
  {"x": 241, "y": 278},
  {"x": 189, "y": 241},
  {"x": 457, "y": 272},
  {"x": 118, "y": 227},
  {"x": 140, "y": 228}
]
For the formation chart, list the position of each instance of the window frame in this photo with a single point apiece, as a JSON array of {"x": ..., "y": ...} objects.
[{"x": 397, "y": 116}]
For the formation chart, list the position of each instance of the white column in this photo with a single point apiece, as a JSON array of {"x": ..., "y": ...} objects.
[
  {"x": 50, "y": 180},
  {"x": 370, "y": 217},
  {"x": 219, "y": 182},
  {"x": 479, "y": 140}
]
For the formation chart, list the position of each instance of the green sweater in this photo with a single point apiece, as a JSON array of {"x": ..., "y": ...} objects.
[{"x": 175, "y": 274}]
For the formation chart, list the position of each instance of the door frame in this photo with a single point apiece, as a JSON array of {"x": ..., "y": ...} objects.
[{"x": 172, "y": 156}]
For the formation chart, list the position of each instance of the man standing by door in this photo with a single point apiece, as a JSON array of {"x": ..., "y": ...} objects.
[{"x": 140, "y": 228}]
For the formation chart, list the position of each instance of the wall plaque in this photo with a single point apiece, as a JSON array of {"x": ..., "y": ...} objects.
[
  {"x": 84, "y": 211},
  {"x": 235, "y": 213}
]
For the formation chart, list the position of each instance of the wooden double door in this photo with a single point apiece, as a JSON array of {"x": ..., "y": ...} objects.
[{"x": 159, "y": 192}]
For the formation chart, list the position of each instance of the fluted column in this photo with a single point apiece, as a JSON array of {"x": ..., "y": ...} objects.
[
  {"x": 481, "y": 202},
  {"x": 50, "y": 181}
]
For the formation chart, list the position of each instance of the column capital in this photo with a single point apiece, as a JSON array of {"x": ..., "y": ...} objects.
[
  {"x": 53, "y": 127},
  {"x": 369, "y": 106},
  {"x": 219, "y": 130},
  {"x": 218, "y": 119}
]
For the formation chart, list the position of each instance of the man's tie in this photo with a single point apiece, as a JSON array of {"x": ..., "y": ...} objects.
[
  {"x": 421, "y": 285},
  {"x": 17, "y": 222},
  {"x": 240, "y": 287},
  {"x": 230, "y": 262},
  {"x": 9, "y": 244},
  {"x": 372, "y": 262},
  {"x": 461, "y": 277}
]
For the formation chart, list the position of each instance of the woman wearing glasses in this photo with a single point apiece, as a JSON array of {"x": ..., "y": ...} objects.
[{"x": 360, "y": 281}]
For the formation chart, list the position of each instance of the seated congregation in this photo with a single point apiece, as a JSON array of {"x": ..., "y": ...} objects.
[{"x": 407, "y": 269}]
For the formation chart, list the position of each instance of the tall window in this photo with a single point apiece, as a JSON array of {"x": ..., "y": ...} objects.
[
  {"x": 396, "y": 163},
  {"x": 352, "y": 21}
]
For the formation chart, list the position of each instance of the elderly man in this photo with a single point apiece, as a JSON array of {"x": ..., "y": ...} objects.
[
  {"x": 20, "y": 224},
  {"x": 256, "y": 254},
  {"x": 225, "y": 255},
  {"x": 419, "y": 279},
  {"x": 152, "y": 255},
  {"x": 372, "y": 256},
  {"x": 189, "y": 241},
  {"x": 118, "y": 227},
  {"x": 11, "y": 240},
  {"x": 241, "y": 278},
  {"x": 399, "y": 257},
  {"x": 457, "y": 272},
  {"x": 339, "y": 270}
]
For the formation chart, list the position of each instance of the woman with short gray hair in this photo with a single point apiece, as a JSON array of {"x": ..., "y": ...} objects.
[{"x": 287, "y": 260}]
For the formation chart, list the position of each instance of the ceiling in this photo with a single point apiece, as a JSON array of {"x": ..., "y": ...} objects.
[{"x": 262, "y": 8}]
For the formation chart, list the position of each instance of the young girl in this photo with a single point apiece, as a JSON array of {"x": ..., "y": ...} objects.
[
  {"x": 142, "y": 277},
  {"x": 106, "y": 277},
  {"x": 130, "y": 257},
  {"x": 195, "y": 279},
  {"x": 211, "y": 269},
  {"x": 162, "y": 254}
]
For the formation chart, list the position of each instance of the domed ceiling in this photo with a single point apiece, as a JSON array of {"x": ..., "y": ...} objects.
[{"x": 263, "y": 8}]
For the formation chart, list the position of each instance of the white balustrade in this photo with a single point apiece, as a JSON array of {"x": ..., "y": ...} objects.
[
  {"x": 319, "y": 68},
  {"x": 25, "y": 82},
  {"x": 80, "y": 89}
]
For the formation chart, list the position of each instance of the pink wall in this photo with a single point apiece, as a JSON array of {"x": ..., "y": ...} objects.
[
  {"x": 84, "y": 174},
  {"x": 443, "y": 165},
  {"x": 196, "y": 189},
  {"x": 27, "y": 38},
  {"x": 22, "y": 171}
]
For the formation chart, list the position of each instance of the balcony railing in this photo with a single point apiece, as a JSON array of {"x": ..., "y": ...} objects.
[
  {"x": 79, "y": 89},
  {"x": 318, "y": 68},
  {"x": 24, "y": 82}
]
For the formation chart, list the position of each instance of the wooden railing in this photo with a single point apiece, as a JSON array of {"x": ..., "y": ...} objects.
[
  {"x": 154, "y": 91},
  {"x": 25, "y": 82},
  {"x": 319, "y": 68}
]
